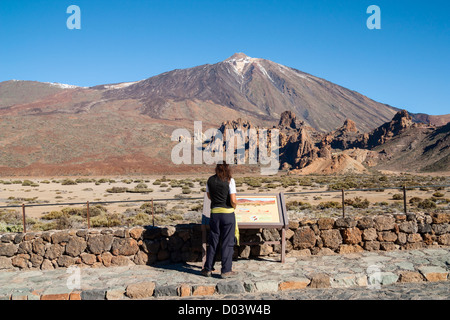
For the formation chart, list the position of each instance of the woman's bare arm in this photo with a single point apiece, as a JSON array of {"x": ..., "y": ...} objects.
[{"x": 233, "y": 200}]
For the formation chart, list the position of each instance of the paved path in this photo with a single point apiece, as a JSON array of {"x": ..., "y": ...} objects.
[
  {"x": 366, "y": 275},
  {"x": 401, "y": 291}
]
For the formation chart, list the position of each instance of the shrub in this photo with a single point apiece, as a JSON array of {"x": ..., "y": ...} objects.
[
  {"x": 288, "y": 183},
  {"x": 117, "y": 190},
  {"x": 253, "y": 183},
  {"x": 397, "y": 196},
  {"x": 140, "y": 190},
  {"x": 329, "y": 204},
  {"x": 348, "y": 184},
  {"x": 162, "y": 219},
  {"x": 141, "y": 219},
  {"x": 107, "y": 220},
  {"x": 357, "y": 202},
  {"x": 158, "y": 207},
  {"x": 10, "y": 217},
  {"x": 186, "y": 190},
  {"x": 189, "y": 184},
  {"x": 297, "y": 205},
  {"x": 10, "y": 228},
  {"x": 74, "y": 211},
  {"x": 426, "y": 204},
  {"x": 197, "y": 207},
  {"x": 68, "y": 182},
  {"x": 83, "y": 180},
  {"x": 45, "y": 226},
  {"x": 438, "y": 194},
  {"x": 63, "y": 222},
  {"x": 174, "y": 183},
  {"x": 141, "y": 186},
  {"x": 28, "y": 183},
  {"x": 95, "y": 210},
  {"x": 55, "y": 215},
  {"x": 415, "y": 200}
]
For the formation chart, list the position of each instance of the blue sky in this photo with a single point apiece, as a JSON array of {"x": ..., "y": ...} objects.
[{"x": 405, "y": 64}]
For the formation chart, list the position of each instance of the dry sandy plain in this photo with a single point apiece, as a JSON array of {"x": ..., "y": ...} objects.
[{"x": 51, "y": 191}]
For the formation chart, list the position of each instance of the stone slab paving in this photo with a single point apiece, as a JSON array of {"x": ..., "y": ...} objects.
[
  {"x": 408, "y": 274},
  {"x": 400, "y": 291}
]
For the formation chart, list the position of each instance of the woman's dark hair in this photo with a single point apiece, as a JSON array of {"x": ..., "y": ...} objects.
[{"x": 223, "y": 171}]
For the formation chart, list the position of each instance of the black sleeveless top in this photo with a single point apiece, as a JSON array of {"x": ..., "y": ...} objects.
[{"x": 219, "y": 191}]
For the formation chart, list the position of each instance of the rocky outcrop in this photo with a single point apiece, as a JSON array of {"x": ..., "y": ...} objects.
[
  {"x": 303, "y": 147},
  {"x": 345, "y": 149},
  {"x": 349, "y": 126},
  {"x": 236, "y": 124},
  {"x": 401, "y": 122},
  {"x": 288, "y": 119},
  {"x": 305, "y": 150},
  {"x": 343, "y": 137}
]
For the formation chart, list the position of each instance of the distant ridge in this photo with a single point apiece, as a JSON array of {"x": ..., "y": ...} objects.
[{"x": 125, "y": 128}]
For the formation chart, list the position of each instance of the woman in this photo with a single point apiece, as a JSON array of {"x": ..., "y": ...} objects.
[{"x": 221, "y": 190}]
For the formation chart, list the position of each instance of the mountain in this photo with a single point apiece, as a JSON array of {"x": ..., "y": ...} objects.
[
  {"x": 122, "y": 128},
  {"x": 15, "y": 92},
  {"x": 256, "y": 88}
]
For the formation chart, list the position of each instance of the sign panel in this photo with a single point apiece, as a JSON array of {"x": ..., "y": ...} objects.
[{"x": 255, "y": 211}]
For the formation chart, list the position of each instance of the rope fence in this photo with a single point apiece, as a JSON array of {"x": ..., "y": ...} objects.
[{"x": 152, "y": 200}]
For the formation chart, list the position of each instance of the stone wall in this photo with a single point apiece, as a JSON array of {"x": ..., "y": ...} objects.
[{"x": 182, "y": 243}]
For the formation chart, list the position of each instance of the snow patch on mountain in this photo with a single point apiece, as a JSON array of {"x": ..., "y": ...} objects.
[
  {"x": 62, "y": 85},
  {"x": 263, "y": 70},
  {"x": 240, "y": 61},
  {"x": 120, "y": 85}
]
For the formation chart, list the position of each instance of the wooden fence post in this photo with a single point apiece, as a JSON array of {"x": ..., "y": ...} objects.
[
  {"x": 23, "y": 219},
  {"x": 153, "y": 214},
  {"x": 87, "y": 214},
  {"x": 404, "y": 199}
]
